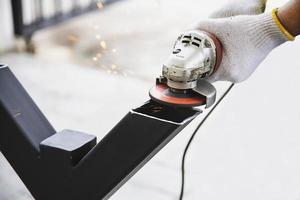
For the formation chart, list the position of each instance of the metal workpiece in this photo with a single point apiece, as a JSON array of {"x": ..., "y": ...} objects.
[
  {"x": 129, "y": 146},
  {"x": 2, "y": 66},
  {"x": 70, "y": 165},
  {"x": 66, "y": 148},
  {"x": 22, "y": 128}
]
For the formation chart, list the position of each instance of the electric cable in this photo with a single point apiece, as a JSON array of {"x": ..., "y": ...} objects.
[{"x": 193, "y": 136}]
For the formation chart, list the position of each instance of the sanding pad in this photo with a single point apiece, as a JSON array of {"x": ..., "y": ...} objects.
[{"x": 161, "y": 93}]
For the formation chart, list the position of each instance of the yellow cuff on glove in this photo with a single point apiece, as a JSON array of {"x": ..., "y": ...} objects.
[{"x": 280, "y": 26}]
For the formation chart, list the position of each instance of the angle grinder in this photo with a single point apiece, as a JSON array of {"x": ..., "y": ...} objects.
[{"x": 196, "y": 55}]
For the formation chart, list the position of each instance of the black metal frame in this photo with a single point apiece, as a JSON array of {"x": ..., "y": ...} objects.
[
  {"x": 27, "y": 30},
  {"x": 70, "y": 165}
]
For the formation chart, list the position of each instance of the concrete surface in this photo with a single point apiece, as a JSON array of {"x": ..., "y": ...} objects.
[{"x": 248, "y": 149}]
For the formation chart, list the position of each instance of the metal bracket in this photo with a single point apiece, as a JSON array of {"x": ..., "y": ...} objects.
[
  {"x": 69, "y": 165},
  {"x": 207, "y": 90}
]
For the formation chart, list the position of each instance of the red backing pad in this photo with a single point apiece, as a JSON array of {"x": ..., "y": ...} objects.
[{"x": 161, "y": 93}]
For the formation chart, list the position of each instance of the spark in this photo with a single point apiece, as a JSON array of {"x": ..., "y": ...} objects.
[
  {"x": 113, "y": 66},
  {"x": 73, "y": 38},
  {"x": 125, "y": 74},
  {"x": 114, "y": 50},
  {"x": 96, "y": 27},
  {"x": 103, "y": 44},
  {"x": 95, "y": 59},
  {"x": 100, "y": 5},
  {"x": 98, "y": 37}
]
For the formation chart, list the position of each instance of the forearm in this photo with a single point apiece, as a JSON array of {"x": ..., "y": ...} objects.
[{"x": 289, "y": 15}]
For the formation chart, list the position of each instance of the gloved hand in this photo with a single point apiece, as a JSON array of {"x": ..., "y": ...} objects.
[
  {"x": 247, "y": 38},
  {"x": 240, "y": 7}
]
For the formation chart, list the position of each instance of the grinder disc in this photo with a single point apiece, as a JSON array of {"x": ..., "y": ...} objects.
[{"x": 161, "y": 93}]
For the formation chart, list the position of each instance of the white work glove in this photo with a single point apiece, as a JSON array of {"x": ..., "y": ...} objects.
[
  {"x": 246, "y": 38},
  {"x": 240, "y": 7}
]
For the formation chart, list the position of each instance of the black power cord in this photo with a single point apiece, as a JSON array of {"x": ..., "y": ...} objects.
[{"x": 193, "y": 136}]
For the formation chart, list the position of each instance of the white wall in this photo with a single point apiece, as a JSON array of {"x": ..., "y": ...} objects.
[{"x": 6, "y": 31}]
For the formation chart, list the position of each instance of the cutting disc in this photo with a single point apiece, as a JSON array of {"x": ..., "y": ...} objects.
[{"x": 161, "y": 93}]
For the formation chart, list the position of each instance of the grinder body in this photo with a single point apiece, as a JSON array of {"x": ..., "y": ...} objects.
[{"x": 196, "y": 55}]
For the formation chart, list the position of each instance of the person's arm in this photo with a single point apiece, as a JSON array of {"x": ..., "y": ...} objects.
[
  {"x": 248, "y": 37},
  {"x": 289, "y": 16}
]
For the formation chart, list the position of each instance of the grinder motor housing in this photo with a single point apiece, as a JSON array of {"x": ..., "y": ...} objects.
[{"x": 196, "y": 55}]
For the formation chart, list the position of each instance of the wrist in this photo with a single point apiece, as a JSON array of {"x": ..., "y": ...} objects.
[
  {"x": 281, "y": 24},
  {"x": 289, "y": 16},
  {"x": 265, "y": 33}
]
